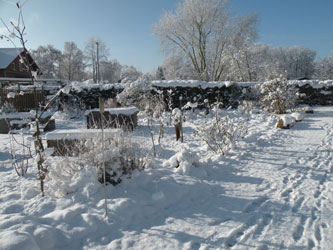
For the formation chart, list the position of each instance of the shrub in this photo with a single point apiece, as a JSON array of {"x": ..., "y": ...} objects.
[
  {"x": 221, "y": 133},
  {"x": 7, "y": 107},
  {"x": 120, "y": 157},
  {"x": 278, "y": 96}
]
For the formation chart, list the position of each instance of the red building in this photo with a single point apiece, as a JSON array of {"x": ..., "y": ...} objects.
[{"x": 11, "y": 65}]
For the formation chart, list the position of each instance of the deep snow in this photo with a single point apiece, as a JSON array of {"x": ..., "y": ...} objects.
[{"x": 273, "y": 191}]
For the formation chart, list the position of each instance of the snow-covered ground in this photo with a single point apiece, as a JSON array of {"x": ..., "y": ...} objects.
[{"x": 273, "y": 191}]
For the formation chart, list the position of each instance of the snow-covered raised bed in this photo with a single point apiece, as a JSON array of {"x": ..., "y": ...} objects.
[
  {"x": 70, "y": 141},
  {"x": 10, "y": 121},
  {"x": 125, "y": 118}
]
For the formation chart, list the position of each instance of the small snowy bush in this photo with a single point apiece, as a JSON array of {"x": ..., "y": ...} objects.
[
  {"x": 120, "y": 157},
  {"x": 182, "y": 161},
  {"x": 136, "y": 93},
  {"x": 278, "y": 96},
  {"x": 221, "y": 133},
  {"x": 7, "y": 107}
]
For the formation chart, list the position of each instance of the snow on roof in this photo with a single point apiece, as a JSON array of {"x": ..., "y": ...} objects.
[
  {"x": 80, "y": 134},
  {"x": 117, "y": 111},
  {"x": 7, "y": 56}
]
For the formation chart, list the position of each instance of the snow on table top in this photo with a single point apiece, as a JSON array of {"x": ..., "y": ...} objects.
[
  {"x": 116, "y": 111},
  {"x": 80, "y": 134},
  {"x": 79, "y": 86}
]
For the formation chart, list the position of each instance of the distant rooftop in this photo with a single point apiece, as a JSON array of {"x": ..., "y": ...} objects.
[{"x": 7, "y": 56}]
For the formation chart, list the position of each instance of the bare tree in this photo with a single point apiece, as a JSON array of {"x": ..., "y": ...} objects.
[
  {"x": 90, "y": 52},
  {"x": 72, "y": 66}
]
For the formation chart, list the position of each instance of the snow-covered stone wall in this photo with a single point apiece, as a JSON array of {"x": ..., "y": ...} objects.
[
  {"x": 88, "y": 94},
  {"x": 177, "y": 93}
]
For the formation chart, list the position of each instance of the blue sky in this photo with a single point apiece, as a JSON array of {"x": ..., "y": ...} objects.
[{"x": 125, "y": 25}]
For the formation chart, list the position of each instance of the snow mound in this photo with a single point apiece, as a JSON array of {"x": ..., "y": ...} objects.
[
  {"x": 182, "y": 161},
  {"x": 298, "y": 116},
  {"x": 17, "y": 240},
  {"x": 286, "y": 121}
]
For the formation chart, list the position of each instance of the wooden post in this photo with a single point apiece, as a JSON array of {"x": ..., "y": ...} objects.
[{"x": 101, "y": 110}]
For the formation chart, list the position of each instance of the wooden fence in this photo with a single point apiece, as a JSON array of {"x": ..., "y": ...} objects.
[{"x": 23, "y": 101}]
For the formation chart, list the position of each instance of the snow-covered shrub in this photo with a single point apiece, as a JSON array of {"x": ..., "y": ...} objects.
[
  {"x": 120, "y": 156},
  {"x": 278, "y": 96},
  {"x": 136, "y": 93},
  {"x": 182, "y": 161},
  {"x": 220, "y": 133},
  {"x": 73, "y": 106},
  {"x": 7, "y": 107},
  {"x": 246, "y": 107}
]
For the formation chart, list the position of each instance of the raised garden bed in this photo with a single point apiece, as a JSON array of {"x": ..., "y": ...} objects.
[
  {"x": 69, "y": 142},
  {"x": 125, "y": 118},
  {"x": 13, "y": 121}
]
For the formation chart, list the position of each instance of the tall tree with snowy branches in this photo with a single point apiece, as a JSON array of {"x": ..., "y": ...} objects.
[{"x": 201, "y": 30}]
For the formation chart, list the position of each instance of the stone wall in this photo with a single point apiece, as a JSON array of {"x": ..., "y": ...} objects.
[{"x": 179, "y": 93}]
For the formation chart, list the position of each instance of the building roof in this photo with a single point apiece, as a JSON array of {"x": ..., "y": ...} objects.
[{"x": 8, "y": 55}]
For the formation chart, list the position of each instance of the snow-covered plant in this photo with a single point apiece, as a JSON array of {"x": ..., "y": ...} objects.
[
  {"x": 246, "y": 108},
  {"x": 278, "y": 96},
  {"x": 8, "y": 107},
  {"x": 74, "y": 108},
  {"x": 177, "y": 120},
  {"x": 220, "y": 133},
  {"x": 182, "y": 161},
  {"x": 120, "y": 157},
  {"x": 136, "y": 93},
  {"x": 20, "y": 161}
]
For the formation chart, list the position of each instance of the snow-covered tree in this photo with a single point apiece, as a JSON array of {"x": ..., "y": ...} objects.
[
  {"x": 244, "y": 33},
  {"x": 130, "y": 73},
  {"x": 110, "y": 71},
  {"x": 201, "y": 31},
  {"x": 72, "y": 66},
  {"x": 324, "y": 68},
  {"x": 90, "y": 52},
  {"x": 297, "y": 61},
  {"x": 48, "y": 59},
  {"x": 176, "y": 67},
  {"x": 160, "y": 74}
]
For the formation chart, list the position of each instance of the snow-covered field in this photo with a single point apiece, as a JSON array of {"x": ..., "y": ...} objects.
[{"x": 272, "y": 191}]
